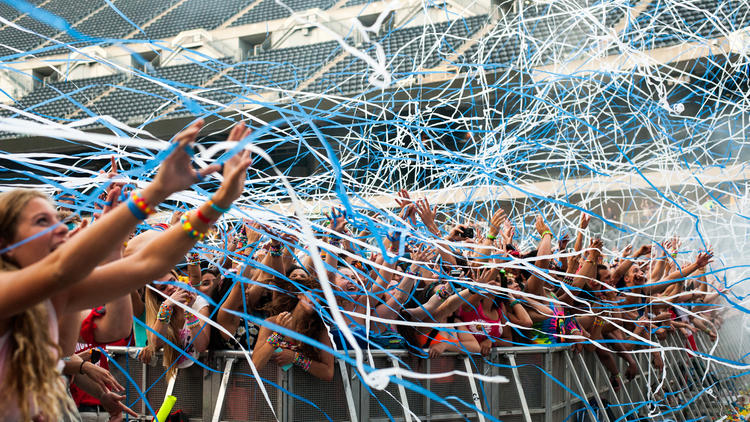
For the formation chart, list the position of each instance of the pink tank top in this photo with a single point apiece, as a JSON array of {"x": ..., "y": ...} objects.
[
  {"x": 10, "y": 409},
  {"x": 481, "y": 331}
]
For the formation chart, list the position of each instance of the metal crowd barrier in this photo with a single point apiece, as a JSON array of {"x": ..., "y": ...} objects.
[{"x": 538, "y": 389}]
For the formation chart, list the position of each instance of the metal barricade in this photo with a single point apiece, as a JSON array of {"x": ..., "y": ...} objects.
[{"x": 546, "y": 384}]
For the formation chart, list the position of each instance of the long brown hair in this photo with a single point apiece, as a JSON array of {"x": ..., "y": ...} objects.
[
  {"x": 153, "y": 302},
  {"x": 32, "y": 379}
]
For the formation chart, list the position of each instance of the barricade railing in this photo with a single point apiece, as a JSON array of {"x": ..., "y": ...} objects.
[{"x": 545, "y": 384}]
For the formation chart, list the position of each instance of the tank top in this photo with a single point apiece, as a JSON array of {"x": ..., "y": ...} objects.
[
  {"x": 480, "y": 330},
  {"x": 11, "y": 412}
]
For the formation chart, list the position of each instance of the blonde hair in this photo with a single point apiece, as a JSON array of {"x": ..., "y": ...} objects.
[
  {"x": 32, "y": 378},
  {"x": 170, "y": 354}
]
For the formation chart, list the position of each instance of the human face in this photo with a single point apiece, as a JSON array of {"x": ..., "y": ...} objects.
[
  {"x": 605, "y": 276},
  {"x": 344, "y": 280},
  {"x": 299, "y": 276},
  {"x": 635, "y": 275},
  {"x": 208, "y": 284},
  {"x": 167, "y": 289},
  {"x": 40, "y": 225}
]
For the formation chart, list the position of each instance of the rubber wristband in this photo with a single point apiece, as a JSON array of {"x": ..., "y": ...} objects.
[
  {"x": 80, "y": 369},
  {"x": 217, "y": 208},
  {"x": 202, "y": 217},
  {"x": 491, "y": 237},
  {"x": 137, "y": 213},
  {"x": 549, "y": 232}
]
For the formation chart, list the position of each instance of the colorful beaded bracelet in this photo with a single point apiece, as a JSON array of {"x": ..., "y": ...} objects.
[
  {"x": 138, "y": 206},
  {"x": 189, "y": 229},
  {"x": 301, "y": 361},
  {"x": 191, "y": 321},
  {"x": 165, "y": 313},
  {"x": 274, "y": 339}
]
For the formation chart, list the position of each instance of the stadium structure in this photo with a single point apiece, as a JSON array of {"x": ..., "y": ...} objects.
[{"x": 374, "y": 82}]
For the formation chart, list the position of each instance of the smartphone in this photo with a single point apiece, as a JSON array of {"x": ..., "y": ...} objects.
[{"x": 467, "y": 232}]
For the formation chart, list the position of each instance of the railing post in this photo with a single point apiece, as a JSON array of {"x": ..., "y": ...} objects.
[
  {"x": 675, "y": 386},
  {"x": 519, "y": 387},
  {"x": 567, "y": 396},
  {"x": 219, "y": 407},
  {"x": 548, "y": 386},
  {"x": 402, "y": 392},
  {"x": 474, "y": 392},
  {"x": 594, "y": 386},
  {"x": 348, "y": 390},
  {"x": 584, "y": 397}
]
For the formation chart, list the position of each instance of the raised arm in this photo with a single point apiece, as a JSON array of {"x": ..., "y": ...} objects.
[
  {"x": 625, "y": 264},
  {"x": 535, "y": 285},
  {"x": 161, "y": 254},
  {"x": 427, "y": 214},
  {"x": 74, "y": 260}
]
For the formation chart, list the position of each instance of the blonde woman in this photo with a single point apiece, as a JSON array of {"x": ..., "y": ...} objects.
[{"x": 44, "y": 276}]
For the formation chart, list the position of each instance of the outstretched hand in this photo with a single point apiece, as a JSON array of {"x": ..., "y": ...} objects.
[
  {"x": 176, "y": 172},
  {"x": 704, "y": 258},
  {"x": 235, "y": 170},
  {"x": 426, "y": 213}
]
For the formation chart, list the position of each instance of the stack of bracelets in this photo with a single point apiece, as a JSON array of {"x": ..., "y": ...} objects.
[
  {"x": 165, "y": 313},
  {"x": 139, "y": 207},
  {"x": 275, "y": 249},
  {"x": 277, "y": 340},
  {"x": 191, "y": 320},
  {"x": 193, "y": 258}
]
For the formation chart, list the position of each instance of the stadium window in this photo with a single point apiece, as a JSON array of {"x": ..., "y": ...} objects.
[
  {"x": 145, "y": 60},
  {"x": 254, "y": 44},
  {"x": 45, "y": 75}
]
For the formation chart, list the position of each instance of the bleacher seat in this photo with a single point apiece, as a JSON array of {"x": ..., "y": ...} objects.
[
  {"x": 71, "y": 11},
  {"x": 269, "y": 10},
  {"x": 193, "y": 14}
]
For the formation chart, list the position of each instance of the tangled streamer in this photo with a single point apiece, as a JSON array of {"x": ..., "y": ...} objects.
[{"x": 631, "y": 112}]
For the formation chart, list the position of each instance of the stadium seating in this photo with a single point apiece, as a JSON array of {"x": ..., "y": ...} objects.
[
  {"x": 107, "y": 23},
  {"x": 671, "y": 21},
  {"x": 405, "y": 52},
  {"x": 139, "y": 97},
  {"x": 70, "y": 10},
  {"x": 269, "y": 10},
  {"x": 408, "y": 50},
  {"x": 275, "y": 69},
  {"x": 61, "y": 99},
  {"x": 193, "y": 14}
]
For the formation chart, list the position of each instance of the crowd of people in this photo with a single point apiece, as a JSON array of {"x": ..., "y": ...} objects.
[{"x": 72, "y": 284}]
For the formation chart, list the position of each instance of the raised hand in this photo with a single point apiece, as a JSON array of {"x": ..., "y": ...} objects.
[
  {"x": 176, "y": 172},
  {"x": 563, "y": 242},
  {"x": 595, "y": 249},
  {"x": 285, "y": 320},
  {"x": 176, "y": 217},
  {"x": 643, "y": 250},
  {"x": 427, "y": 213},
  {"x": 626, "y": 251},
  {"x": 508, "y": 232},
  {"x": 704, "y": 258},
  {"x": 403, "y": 198},
  {"x": 337, "y": 220},
  {"x": 496, "y": 222},
  {"x": 540, "y": 225},
  {"x": 235, "y": 170},
  {"x": 585, "y": 219},
  {"x": 423, "y": 256}
]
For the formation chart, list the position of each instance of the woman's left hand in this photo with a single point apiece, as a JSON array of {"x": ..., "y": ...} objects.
[
  {"x": 101, "y": 377},
  {"x": 112, "y": 403},
  {"x": 284, "y": 357}
]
